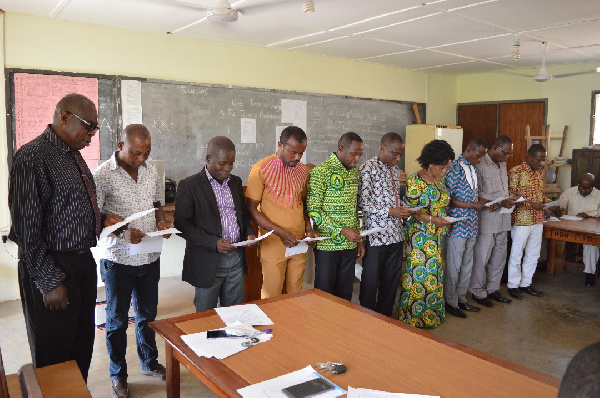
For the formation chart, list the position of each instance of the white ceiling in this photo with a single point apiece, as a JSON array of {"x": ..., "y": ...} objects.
[{"x": 441, "y": 36}]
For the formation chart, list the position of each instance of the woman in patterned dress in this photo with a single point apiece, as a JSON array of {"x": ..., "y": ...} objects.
[{"x": 422, "y": 298}]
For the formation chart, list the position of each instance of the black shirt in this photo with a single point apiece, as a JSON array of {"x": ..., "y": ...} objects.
[{"x": 49, "y": 206}]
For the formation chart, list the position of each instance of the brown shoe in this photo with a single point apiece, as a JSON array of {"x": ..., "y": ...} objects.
[
  {"x": 158, "y": 371},
  {"x": 119, "y": 388}
]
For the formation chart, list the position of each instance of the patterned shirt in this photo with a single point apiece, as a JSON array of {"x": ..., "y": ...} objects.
[
  {"x": 379, "y": 191},
  {"x": 331, "y": 202},
  {"x": 461, "y": 180},
  {"x": 231, "y": 229},
  {"x": 525, "y": 182},
  {"x": 49, "y": 206},
  {"x": 119, "y": 194}
]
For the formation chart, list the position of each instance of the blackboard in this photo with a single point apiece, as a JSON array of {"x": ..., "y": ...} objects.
[{"x": 183, "y": 117}]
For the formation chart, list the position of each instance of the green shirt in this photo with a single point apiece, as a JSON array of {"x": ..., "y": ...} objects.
[{"x": 331, "y": 202}]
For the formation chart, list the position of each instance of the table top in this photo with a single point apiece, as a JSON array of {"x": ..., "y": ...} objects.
[
  {"x": 587, "y": 225},
  {"x": 380, "y": 352}
]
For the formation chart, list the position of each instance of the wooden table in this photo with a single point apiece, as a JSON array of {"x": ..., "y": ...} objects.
[
  {"x": 586, "y": 231},
  {"x": 380, "y": 353}
]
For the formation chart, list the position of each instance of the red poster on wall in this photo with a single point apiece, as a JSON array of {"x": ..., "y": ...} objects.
[{"x": 36, "y": 97}]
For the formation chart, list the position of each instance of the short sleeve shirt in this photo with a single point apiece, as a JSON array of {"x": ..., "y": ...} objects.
[{"x": 525, "y": 182}]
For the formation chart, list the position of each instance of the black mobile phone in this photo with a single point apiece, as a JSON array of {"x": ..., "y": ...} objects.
[
  {"x": 213, "y": 334},
  {"x": 308, "y": 388}
]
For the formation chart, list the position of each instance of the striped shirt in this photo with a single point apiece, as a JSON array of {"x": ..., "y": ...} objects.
[
  {"x": 119, "y": 194},
  {"x": 231, "y": 229},
  {"x": 49, "y": 206}
]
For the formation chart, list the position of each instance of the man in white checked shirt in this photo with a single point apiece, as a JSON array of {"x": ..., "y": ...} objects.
[{"x": 127, "y": 184}]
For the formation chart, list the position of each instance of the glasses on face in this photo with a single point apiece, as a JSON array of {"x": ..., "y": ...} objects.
[
  {"x": 505, "y": 153},
  {"x": 89, "y": 126}
]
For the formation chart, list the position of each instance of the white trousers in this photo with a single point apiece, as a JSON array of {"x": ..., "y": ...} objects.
[
  {"x": 590, "y": 258},
  {"x": 529, "y": 239}
]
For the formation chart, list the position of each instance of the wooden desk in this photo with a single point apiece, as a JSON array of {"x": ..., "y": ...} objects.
[
  {"x": 380, "y": 352},
  {"x": 586, "y": 231}
]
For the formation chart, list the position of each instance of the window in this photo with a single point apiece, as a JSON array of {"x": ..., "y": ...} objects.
[{"x": 595, "y": 120}]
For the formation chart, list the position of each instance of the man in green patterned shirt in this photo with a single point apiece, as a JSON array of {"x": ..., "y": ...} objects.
[{"x": 331, "y": 204}]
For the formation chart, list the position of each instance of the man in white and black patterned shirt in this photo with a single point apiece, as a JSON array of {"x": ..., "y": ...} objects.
[
  {"x": 379, "y": 198},
  {"x": 127, "y": 184}
]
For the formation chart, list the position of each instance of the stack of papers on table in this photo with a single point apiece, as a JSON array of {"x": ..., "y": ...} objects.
[
  {"x": 248, "y": 314},
  {"x": 574, "y": 218},
  {"x": 272, "y": 388}
]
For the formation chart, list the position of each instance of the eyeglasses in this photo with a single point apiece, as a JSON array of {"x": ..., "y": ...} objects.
[
  {"x": 505, "y": 153},
  {"x": 89, "y": 126}
]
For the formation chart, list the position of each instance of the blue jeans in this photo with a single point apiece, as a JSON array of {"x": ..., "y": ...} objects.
[
  {"x": 122, "y": 282},
  {"x": 228, "y": 287}
]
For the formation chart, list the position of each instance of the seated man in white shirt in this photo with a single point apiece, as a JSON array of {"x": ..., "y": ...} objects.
[{"x": 583, "y": 201}]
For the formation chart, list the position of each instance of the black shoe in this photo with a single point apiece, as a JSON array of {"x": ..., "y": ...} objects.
[
  {"x": 468, "y": 307},
  {"x": 515, "y": 293},
  {"x": 455, "y": 311},
  {"x": 484, "y": 301},
  {"x": 530, "y": 290},
  {"x": 499, "y": 298},
  {"x": 590, "y": 279}
]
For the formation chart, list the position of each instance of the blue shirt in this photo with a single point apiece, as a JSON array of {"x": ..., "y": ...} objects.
[{"x": 457, "y": 181}]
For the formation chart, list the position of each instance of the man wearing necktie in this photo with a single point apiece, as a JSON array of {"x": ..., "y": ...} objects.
[{"x": 461, "y": 180}]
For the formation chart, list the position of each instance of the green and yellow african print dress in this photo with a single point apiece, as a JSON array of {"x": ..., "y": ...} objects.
[{"x": 422, "y": 297}]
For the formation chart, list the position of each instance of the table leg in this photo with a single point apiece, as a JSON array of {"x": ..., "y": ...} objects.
[
  {"x": 173, "y": 385},
  {"x": 551, "y": 256}
]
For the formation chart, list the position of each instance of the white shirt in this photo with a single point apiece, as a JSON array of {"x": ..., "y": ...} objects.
[
  {"x": 572, "y": 200},
  {"x": 119, "y": 194}
]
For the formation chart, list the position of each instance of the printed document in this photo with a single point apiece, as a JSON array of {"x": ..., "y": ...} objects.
[{"x": 248, "y": 314}]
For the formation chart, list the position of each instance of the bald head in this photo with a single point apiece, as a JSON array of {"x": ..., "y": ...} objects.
[
  {"x": 218, "y": 144},
  {"x": 586, "y": 184},
  {"x": 135, "y": 131},
  {"x": 76, "y": 103},
  {"x": 588, "y": 178}
]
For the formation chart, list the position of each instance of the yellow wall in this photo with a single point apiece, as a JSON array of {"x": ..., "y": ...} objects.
[
  {"x": 569, "y": 101},
  {"x": 50, "y": 44}
]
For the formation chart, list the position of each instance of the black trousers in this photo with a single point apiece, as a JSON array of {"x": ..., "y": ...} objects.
[
  {"x": 382, "y": 269},
  {"x": 334, "y": 272},
  {"x": 57, "y": 336}
]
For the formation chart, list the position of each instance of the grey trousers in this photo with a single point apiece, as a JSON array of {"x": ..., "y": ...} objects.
[
  {"x": 489, "y": 260},
  {"x": 459, "y": 262}
]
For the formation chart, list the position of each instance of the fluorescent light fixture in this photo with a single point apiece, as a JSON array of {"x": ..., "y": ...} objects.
[
  {"x": 189, "y": 25},
  {"x": 318, "y": 42},
  {"x": 59, "y": 7},
  {"x": 471, "y": 5},
  {"x": 373, "y": 18},
  {"x": 294, "y": 39},
  {"x": 397, "y": 23},
  {"x": 385, "y": 55},
  {"x": 468, "y": 41}
]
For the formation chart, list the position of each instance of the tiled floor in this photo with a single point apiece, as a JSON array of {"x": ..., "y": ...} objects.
[{"x": 539, "y": 333}]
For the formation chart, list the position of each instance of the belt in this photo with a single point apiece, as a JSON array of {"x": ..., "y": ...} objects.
[{"x": 81, "y": 251}]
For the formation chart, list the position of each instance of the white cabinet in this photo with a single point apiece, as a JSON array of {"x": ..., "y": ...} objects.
[{"x": 417, "y": 135}]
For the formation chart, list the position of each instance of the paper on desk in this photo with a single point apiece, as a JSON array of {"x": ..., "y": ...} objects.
[
  {"x": 366, "y": 393},
  {"x": 455, "y": 219},
  {"x": 300, "y": 248},
  {"x": 226, "y": 346},
  {"x": 553, "y": 219},
  {"x": 164, "y": 232},
  {"x": 248, "y": 314},
  {"x": 251, "y": 241},
  {"x": 551, "y": 204},
  {"x": 493, "y": 202},
  {"x": 574, "y": 218},
  {"x": 272, "y": 388},
  {"x": 149, "y": 244},
  {"x": 109, "y": 230},
  {"x": 373, "y": 231}
]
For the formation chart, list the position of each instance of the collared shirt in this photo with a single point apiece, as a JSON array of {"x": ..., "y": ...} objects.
[
  {"x": 493, "y": 184},
  {"x": 525, "y": 182},
  {"x": 461, "y": 180},
  {"x": 231, "y": 229},
  {"x": 49, "y": 206},
  {"x": 119, "y": 194},
  {"x": 280, "y": 190},
  {"x": 379, "y": 191},
  {"x": 572, "y": 200},
  {"x": 331, "y": 202}
]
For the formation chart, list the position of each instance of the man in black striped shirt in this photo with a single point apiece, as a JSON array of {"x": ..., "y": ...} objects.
[{"x": 55, "y": 221}]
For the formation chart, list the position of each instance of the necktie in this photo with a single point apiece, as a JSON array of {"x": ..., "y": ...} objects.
[{"x": 90, "y": 190}]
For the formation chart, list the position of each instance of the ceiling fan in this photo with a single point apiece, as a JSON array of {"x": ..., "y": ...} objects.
[
  {"x": 224, "y": 12},
  {"x": 543, "y": 75}
]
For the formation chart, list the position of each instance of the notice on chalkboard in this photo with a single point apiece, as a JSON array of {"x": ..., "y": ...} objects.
[{"x": 36, "y": 97}]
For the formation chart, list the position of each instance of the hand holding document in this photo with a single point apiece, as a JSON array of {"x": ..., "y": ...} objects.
[
  {"x": 455, "y": 219},
  {"x": 551, "y": 204},
  {"x": 366, "y": 393},
  {"x": 109, "y": 230},
  {"x": 273, "y": 388},
  {"x": 251, "y": 241},
  {"x": 372, "y": 231},
  {"x": 221, "y": 348},
  {"x": 149, "y": 244},
  {"x": 493, "y": 202},
  {"x": 302, "y": 246},
  {"x": 248, "y": 314},
  {"x": 164, "y": 232}
]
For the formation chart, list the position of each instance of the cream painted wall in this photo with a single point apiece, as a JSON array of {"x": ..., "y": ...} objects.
[
  {"x": 569, "y": 101},
  {"x": 50, "y": 44}
]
